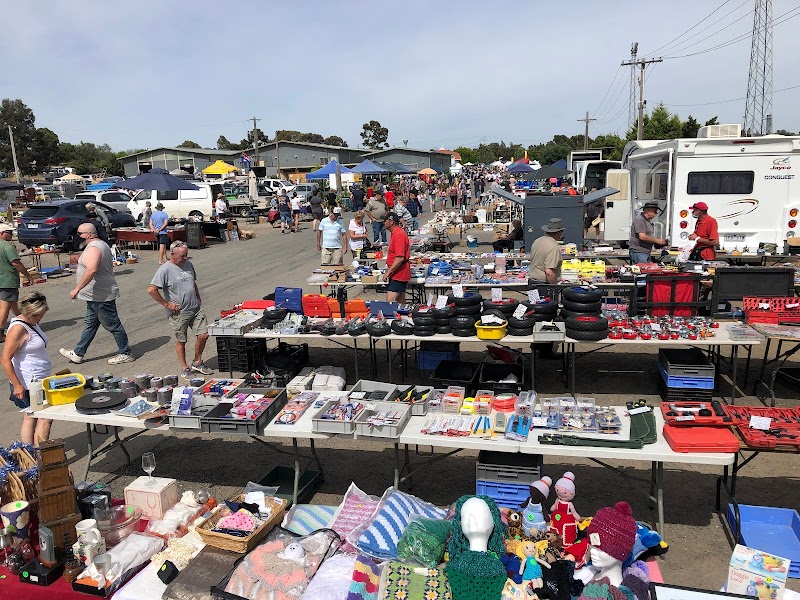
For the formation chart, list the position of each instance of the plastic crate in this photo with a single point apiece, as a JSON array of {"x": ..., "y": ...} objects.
[
  {"x": 216, "y": 422},
  {"x": 283, "y": 478},
  {"x": 508, "y": 468},
  {"x": 454, "y": 372},
  {"x": 289, "y": 298},
  {"x": 315, "y": 305},
  {"x": 365, "y": 385},
  {"x": 683, "y": 394},
  {"x": 686, "y": 383},
  {"x": 506, "y": 495},
  {"x": 769, "y": 529},
  {"x": 430, "y": 354},
  {"x": 64, "y": 395},
  {"x": 685, "y": 362},
  {"x": 365, "y": 429},
  {"x": 240, "y": 354},
  {"x": 285, "y": 359},
  {"x": 491, "y": 374}
]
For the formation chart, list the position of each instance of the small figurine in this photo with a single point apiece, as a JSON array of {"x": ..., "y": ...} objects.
[
  {"x": 534, "y": 513},
  {"x": 565, "y": 492},
  {"x": 529, "y": 569},
  {"x": 515, "y": 525},
  {"x": 294, "y": 551}
]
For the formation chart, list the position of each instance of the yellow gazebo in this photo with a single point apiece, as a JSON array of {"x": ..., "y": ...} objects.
[{"x": 219, "y": 168}]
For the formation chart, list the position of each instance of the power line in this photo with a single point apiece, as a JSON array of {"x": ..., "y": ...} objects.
[
  {"x": 688, "y": 30},
  {"x": 684, "y": 45},
  {"x": 597, "y": 110},
  {"x": 620, "y": 88}
]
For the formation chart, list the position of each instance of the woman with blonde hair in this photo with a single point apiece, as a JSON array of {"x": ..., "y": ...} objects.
[
  {"x": 357, "y": 233},
  {"x": 24, "y": 359}
]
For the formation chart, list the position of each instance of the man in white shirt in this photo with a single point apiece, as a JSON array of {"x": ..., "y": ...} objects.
[{"x": 220, "y": 207}]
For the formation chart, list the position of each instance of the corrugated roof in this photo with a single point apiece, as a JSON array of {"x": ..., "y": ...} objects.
[{"x": 404, "y": 149}]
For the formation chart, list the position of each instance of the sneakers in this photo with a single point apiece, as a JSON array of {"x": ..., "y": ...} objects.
[
  {"x": 202, "y": 367},
  {"x": 186, "y": 374},
  {"x": 70, "y": 354},
  {"x": 120, "y": 358}
]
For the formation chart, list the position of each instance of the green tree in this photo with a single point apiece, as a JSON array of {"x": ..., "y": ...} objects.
[
  {"x": 189, "y": 144},
  {"x": 22, "y": 121},
  {"x": 335, "y": 140},
  {"x": 785, "y": 132},
  {"x": 690, "y": 128},
  {"x": 712, "y": 121},
  {"x": 224, "y": 144},
  {"x": 248, "y": 141},
  {"x": 659, "y": 125},
  {"x": 88, "y": 158},
  {"x": 468, "y": 155},
  {"x": 44, "y": 148},
  {"x": 611, "y": 145},
  {"x": 374, "y": 135}
]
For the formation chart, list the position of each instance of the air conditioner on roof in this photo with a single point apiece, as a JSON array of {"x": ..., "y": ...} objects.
[{"x": 720, "y": 131}]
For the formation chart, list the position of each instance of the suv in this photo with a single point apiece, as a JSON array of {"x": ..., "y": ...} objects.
[
  {"x": 276, "y": 185},
  {"x": 57, "y": 222},
  {"x": 114, "y": 198},
  {"x": 305, "y": 190}
]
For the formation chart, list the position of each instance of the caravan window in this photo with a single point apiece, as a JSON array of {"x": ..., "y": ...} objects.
[
  {"x": 720, "y": 182},
  {"x": 167, "y": 195}
]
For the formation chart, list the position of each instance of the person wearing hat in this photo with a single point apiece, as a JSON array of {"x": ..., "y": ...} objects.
[
  {"x": 706, "y": 232},
  {"x": 11, "y": 268},
  {"x": 332, "y": 238},
  {"x": 158, "y": 225},
  {"x": 398, "y": 269},
  {"x": 376, "y": 211},
  {"x": 545, "y": 264},
  {"x": 220, "y": 207},
  {"x": 641, "y": 240}
]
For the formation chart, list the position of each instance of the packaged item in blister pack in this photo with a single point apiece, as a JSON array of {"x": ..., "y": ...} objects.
[
  {"x": 546, "y": 414},
  {"x": 577, "y": 414}
]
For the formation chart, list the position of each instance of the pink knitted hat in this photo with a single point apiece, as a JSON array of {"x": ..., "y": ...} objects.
[
  {"x": 567, "y": 481},
  {"x": 613, "y": 530},
  {"x": 543, "y": 485}
]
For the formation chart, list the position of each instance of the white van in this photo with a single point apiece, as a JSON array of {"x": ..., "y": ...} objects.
[{"x": 181, "y": 203}]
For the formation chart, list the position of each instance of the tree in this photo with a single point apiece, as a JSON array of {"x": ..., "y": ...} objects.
[
  {"x": 659, "y": 125},
  {"x": 335, "y": 140},
  {"x": 785, "y": 132},
  {"x": 375, "y": 135},
  {"x": 611, "y": 145},
  {"x": 44, "y": 148},
  {"x": 22, "y": 121},
  {"x": 468, "y": 155},
  {"x": 248, "y": 141},
  {"x": 712, "y": 121},
  {"x": 690, "y": 128},
  {"x": 90, "y": 158},
  {"x": 224, "y": 144},
  {"x": 189, "y": 144}
]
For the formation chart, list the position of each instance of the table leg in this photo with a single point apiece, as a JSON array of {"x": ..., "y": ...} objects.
[
  {"x": 660, "y": 496},
  {"x": 296, "y": 484},
  {"x": 572, "y": 369},
  {"x": 396, "y": 465},
  {"x": 316, "y": 459},
  {"x": 533, "y": 366},
  {"x": 747, "y": 366},
  {"x": 763, "y": 366},
  {"x": 355, "y": 349},
  {"x": 410, "y": 472},
  {"x": 389, "y": 358},
  {"x": 122, "y": 445},
  {"x": 90, "y": 455},
  {"x": 340, "y": 294},
  {"x": 734, "y": 361}
]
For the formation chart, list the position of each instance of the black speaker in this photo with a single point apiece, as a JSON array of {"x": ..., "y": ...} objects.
[{"x": 259, "y": 171}]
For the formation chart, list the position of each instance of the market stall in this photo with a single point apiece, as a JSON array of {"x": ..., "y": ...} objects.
[{"x": 139, "y": 235}]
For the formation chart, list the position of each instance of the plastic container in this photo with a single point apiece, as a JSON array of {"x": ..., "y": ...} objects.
[
  {"x": 420, "y": 408},
  {"x": 201, "y": 406},
  {"x": 365, "y": 385},
  {"x": 289, "y": 298},
  {"x": 508, "y": 468},
  {"x": 215, "y": 420},
  {"x": 453, "y": 372},
  {"x": 684, "y": 382},
  {"x": 124, "y": 521},
  {"x": 365, "y": 429},
  {"x": 769, "y": 529},
  {"x": 430, "y": 354},
  {"x": 701, "y": 439},
  {"x": 491, "y": 332},
  {"x": 683, "y": 394},
  {"x": 685, "y": 362},
  {"x": 491, "y": 374},
  {"x": 65, "y": 395},
  {"x": 315, "y": 305},
  {"x": 320, "y": 425},
  {"x": 506, "y": 495},
  {"x": 282, "y": 477},
  {"x": 540, "y": 334}
]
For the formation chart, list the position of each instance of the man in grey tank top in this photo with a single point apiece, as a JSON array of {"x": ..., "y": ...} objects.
[{"x": 98, "y": 287}]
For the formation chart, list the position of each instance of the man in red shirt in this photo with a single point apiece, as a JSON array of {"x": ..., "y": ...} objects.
[
  {"x": 398, "y": 269},
  {"x": 706, "y": 232},
  {"x": 389, "y": 196}
]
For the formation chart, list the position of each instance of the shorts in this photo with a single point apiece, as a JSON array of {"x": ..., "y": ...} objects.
[
  {"x": 9, "y": 294},
  {"x": 286, "y": 218},
  {"x": 296, "y": 212},
  {"x": 316, "y": 212},
  {"x": 183, "y": 321},
  {"x": 163, "y": 239},
  {"x": 21, "y": 404},
  {"x": 332, "y": 256},
  {"x": 398, "y": 287}
]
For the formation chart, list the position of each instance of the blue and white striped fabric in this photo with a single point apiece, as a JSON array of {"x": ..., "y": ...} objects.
[
  {"x": 390, "y": 521},
  {"x": 302, "y": 519}
]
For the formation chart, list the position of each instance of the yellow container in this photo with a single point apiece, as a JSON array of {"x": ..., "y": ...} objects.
[
  {"x": 64, "y": 395},
  {"x": 491, "y": 332}
]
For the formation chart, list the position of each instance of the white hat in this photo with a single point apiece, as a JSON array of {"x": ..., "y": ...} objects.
[
  {"x": 567, "y": 481},
  {"x": 5, "y": 227},
  {"x": 337, "y": 210},
  {"x": 543, "y": 485}
]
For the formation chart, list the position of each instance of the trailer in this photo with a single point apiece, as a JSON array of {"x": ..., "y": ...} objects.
[{"x": 749, "y": 184}]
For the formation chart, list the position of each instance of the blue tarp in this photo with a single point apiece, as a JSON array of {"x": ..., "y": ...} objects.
[
  {"x": 561, "y": 164},
  {"x": 370, "y": 168},
  {"x": 520, "y": 167},
  {"x": 328, "y": 170},
  {"x": 99, "y": 187}
]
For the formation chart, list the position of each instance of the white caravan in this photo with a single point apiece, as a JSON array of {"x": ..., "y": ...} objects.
[{"x": 750, "y": 185}]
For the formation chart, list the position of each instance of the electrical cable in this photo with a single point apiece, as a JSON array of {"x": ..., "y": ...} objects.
[
  {"x": 794, "y": 87},
  {"x": 597, "y": 110},
  {"x": 684, "y": 45},
  {"x": 687, "y": 31}
]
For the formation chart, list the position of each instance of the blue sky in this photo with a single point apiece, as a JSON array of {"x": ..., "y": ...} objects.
[{"x": 146, "y": 74}]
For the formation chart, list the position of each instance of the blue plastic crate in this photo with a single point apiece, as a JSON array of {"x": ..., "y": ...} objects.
[
  {"x": 772, "y": 530},
  {"x": 692, "y": 383},
  {"x": 428, "y": 360},
  {"x": 289, "y": 298},
  {"x": 507, "y": 495}
]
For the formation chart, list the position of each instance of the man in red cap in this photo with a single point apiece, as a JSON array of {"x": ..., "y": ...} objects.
[{"x": 705, "y": 233}]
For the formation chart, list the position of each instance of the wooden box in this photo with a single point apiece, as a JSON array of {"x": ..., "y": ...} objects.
[
  {"x": 154, "y": 500},
  {"x": 56, "y": 504},
  {"x": 54, "y": 477},
  {"x": 62, "y": 527},
  {"x": 52, "y": 453}
]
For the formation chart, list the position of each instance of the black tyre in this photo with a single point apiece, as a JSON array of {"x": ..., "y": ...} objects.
[
  {"x": 581, "y": 294},
  {"x": 469, "y": 299},
  {"x": 422, "y": 311},
  {"x": 568, "y": 313},
  {"x": 464, "y": 332},
  {"x": 587, "y": 336},
  {"x": 423, "y": 327},
  {"x": 378, "y": 328},
  {"x": 519, "y": 330},
  {"x": 548, "y": 308},
  {"x": 441, "y": 323},
  {"x": 523, "y": 323},
  {"x": 424, "y": 332},
  {"x": 244, "y": 212},
  {"x": 443, "y": 313},
  {"x": 424, "y": 321},
  {"x": 357, "y": 329},
  {"x": 442, "y": 329},
  {"x": 462, "y": 322},
  {"x": 582, "y": 307},
  {"x": 274, "y": 314},
  {"x": 587, "y": 323},
  {"x": 473, "y": 310},
  {"x": 507, "y": 307},
  {"x": 401, "y": 327},
  {"x": 196, "y": 213}
]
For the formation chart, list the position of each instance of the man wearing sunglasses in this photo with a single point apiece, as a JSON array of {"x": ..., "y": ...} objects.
[{"x": 11, "y": 268}]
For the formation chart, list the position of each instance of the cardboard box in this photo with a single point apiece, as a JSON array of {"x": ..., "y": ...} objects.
[
  {"x": 369, "y": 279},
  {"x": 154, "y": 500},
  {"x": 755, "y": 573}
]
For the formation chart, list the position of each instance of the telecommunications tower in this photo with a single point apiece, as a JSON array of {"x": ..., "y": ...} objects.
[
  {"x": 758, "y": 110},
  {"x": 633, "y": 84}
]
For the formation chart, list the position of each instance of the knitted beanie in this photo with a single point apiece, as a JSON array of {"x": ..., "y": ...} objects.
[
  {"x": 613, "y": 530},
  {"x": 567, "y": 481},
  {"x": 543, "y": 485}
]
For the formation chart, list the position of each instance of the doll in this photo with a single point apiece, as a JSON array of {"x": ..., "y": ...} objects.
[
  {"x": 565, "y": 492},
  {"x": 515, "y": 525},
  {"x": 534, "y": 513},
  {"x": 529, "y": 567},
  {"x": 562, "y": 522}
]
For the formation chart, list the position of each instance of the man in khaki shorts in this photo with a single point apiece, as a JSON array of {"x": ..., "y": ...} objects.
[{"x": 177, "y": 280}]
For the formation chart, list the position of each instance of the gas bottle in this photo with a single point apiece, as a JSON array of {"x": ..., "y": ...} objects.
[{"x": 36, "y": 392}]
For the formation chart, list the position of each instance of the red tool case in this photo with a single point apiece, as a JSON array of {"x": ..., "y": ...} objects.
[
  {"x": 701, "y": 439},
  {"x": 689, "y": 418}
]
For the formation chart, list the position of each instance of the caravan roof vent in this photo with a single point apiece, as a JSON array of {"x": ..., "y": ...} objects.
[{"x": 720, "y": 131}]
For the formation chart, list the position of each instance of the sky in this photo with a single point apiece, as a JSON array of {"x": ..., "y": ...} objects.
[{"x": 155, "y": 73}]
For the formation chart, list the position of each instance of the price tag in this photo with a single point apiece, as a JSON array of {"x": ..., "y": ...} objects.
[
  {"x": 641, "y": 409},
  {"x": 370, "y": 406},
  {"x": 685, "y": 418},
  {"x": 358, "y": 395},
  {"x": 497, "y": 294},
  {"x": 435, "y": 271},
  {"x": 655, "y": 327},
  {"x": 491, "y": 319},
  {"x": 441, "y": 301},
  {"x": 519, "y": 312},
  {"x": 538, "y": 421},
  {"x": 533, "y": 296},
  {"x": 458, "y": 291},
  {"x": 763, "y": 423},
  {"x": 430, "y": 299}
]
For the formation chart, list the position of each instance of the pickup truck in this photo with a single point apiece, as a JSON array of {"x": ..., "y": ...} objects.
[{"x": 239, "y": 202}]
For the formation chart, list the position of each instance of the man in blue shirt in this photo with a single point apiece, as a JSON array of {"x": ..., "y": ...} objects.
[
  {"x": 158, "y": 225},
  {"x": 332, "y": 238}
]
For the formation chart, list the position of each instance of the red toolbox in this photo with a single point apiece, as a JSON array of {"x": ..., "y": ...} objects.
[
  {"x": 701, "y": 439},
  {"x": 775, "y": 437},
  {"x": 710, "y": 413},
  {"x": 257, "y": 304},
  {"x": 315, "y": 305},
  {"x": 780, "y": 416},
  {"x": 772, "y": 310}
]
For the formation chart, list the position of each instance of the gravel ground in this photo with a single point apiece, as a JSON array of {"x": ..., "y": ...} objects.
[{"x": 228, "y": 273}]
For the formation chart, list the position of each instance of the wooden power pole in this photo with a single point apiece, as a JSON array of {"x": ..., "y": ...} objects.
[
  {"x": 641, "y": 63},
  {"x": 586, "y": 121}
]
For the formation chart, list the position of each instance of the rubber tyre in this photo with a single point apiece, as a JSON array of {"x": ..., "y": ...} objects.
[
  {"x": 507, "y": 307},
  {"x": 519, "y": 330},
  {"x": 580, "y": 294},
  {"x": 417, "y": 313},
  {"x": 464, "y": 332},
  {"x": 402, "y": 327},
  {"x": 424, "y": 321},
  {"x": 469, "y": 299},
  {"x": 525, "y": 323},
  {"x": 443, "y": 313},
  {"x": 587, "y": 323},
  {"x": 424, "y": 332},
  {"x": 472, "y": 310},
  {"x": 442, "y": 329},
  {"x": 550, "y": 308},
  {"x": 586, "y": 336},
  {"x": 441, "y": 323},
  {"x": 379, "y": 329},
  {"x": 462, "y": 322},
  {"x": 196, "y": 213},
  {"x": 568, "y": 313},
  {"x": 244, "y": 212},
  {"x": 274, "y": 314},
  {"x": 582, "y": 307},
  {"x": 423, "y": 328}
]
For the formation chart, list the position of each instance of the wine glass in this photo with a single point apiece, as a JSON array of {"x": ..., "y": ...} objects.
[{"x": 149, "y": 465}]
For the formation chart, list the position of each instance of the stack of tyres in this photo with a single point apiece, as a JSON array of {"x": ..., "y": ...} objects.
[
  {"x": 586, "y": 328},
  {"x": 441, "y": 318},
  {"x": 466, "y": 311},
  {"x": 272, "y": 316},
  {"x": 580, "y": 301},
  {"x": 424, "y": 321},
  {"x": 535, "y": 313}
]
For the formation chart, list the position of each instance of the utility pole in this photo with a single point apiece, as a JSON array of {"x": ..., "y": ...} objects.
[
  {"x": 641, "y": 63},
  {"x": 255, "y": 140},
  {"x": 632, "y": 91},
  {"x": 14, "y": 154},
  {"x": 586, "y": 120},
  {"x": 277, "y": 156}
]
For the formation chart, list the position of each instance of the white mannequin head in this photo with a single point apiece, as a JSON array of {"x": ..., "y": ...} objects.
[
  {"x": 477, "y": 524},
  {"x": 606, "y": 565}
]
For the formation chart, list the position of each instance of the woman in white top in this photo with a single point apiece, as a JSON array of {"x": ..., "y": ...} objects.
[
  {"x": 357, "y": 233},
  {"x": 24, "y": 358}
]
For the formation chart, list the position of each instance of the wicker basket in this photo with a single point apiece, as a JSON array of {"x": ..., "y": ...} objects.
[
  {"x": 241, "y": 545},
  {"x": 13, "y": 489},
  {"x": 24, "y": 459}
]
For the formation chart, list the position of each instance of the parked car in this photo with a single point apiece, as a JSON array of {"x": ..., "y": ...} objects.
[
  {"x": 305, "y": 190},
  {"x": 276, "y": 185},
  {"x": 114, "y": 198},
  {"x": 57, "y": 222}
]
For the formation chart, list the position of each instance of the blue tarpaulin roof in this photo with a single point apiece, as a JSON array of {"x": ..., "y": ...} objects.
[
  {"x": 328, "y": 170},
  {"x": 398, "y": 168},
  {"x": 561, "y": 164},
  {"x": 370, "y": 168},
  {"x": 99, "y": 187},
  {"x": 520, "y": 167}
]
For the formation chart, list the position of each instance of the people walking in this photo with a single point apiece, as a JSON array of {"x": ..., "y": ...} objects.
[
  {"x": 332, "y": 238},
  {"x": 295, "y": 204},
  {"x": 285, "y": 211},
  {"x": 158, "y": 225},
  {"x": 398, "y": 268},
  {"x": 174, "y": 286},
  {"x": 11, "y": 268},
  {"x": 98, "y": 287},
  {"x": 316, "y": 209},
  {"x": 376, "y": 211}
]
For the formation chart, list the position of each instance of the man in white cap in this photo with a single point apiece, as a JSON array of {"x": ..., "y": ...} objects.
[
  {"x": 332, "y": 238},
  {"x": 545, "y": 264},
  {"x": 11, "y": 268}
]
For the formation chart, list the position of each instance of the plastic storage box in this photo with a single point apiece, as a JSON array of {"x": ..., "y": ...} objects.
[
  {"x": 282, "y": 477},
  {"x": 66, "y": 395},
  {"x": 365, "y": 385},
  {"x": 506, "y": 495},
  {"x": 240, "y": 354},
  {"x": 289, "y": 298},
  {"x": 701, "y": 439},
  {"x": 685, "y": 362},
  {"x": 491, "y": 374},
  {"x": 430, "y": 354},
  {"x": 453, "y": 372},
  {"x": 216, "y": 420},
  {"x": 365, "y": 429},
  {"x": 770, "y": 529},
  {"x": 508, "y": 468},
  {"x": 681, "y": 381},
  {"x": 320, "y": 425},
  {"x": 420, "y": 408}
]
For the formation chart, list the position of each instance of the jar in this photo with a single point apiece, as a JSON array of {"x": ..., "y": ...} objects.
[{"x": 72, "y": 568}]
